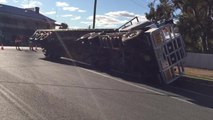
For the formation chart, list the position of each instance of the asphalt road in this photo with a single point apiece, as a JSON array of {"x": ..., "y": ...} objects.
[{"x": 34, "y": 88}]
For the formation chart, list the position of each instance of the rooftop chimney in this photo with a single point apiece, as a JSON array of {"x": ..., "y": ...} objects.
[{"x": 37, "y": 10}]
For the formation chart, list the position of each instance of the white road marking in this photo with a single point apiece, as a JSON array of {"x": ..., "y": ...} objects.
[
  {"x": 140, "y": 87},
  {"x": 125, "y": 82},
  {"x": 75, "y": 61},
  {"x": 183, "y": 100},
  {"x": 20, "y": 104}
]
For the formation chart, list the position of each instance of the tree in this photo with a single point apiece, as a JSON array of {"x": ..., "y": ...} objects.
[
  {"x": 194, "y": 19},
  {"x": 161, "y": 12},
  {"x": 152, "y": 12},
  {"x": 196, "y": 15}
]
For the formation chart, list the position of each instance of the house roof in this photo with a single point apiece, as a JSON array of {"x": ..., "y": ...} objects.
[{"x": 6, "y": 9}]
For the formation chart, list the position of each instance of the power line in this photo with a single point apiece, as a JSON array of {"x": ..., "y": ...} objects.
[{"x": 138, "y": 3}]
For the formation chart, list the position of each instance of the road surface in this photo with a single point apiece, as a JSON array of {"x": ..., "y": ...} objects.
[{"x": 32, "y": 88}]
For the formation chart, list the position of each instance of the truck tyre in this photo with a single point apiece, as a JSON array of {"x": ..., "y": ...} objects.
[{"x": 50, "y": 55}]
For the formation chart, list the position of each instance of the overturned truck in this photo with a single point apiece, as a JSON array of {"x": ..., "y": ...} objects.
[{"x": 151, "y": 51}]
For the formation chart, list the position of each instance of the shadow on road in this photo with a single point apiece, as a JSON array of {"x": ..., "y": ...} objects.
[{"x": 197, "y": 91}]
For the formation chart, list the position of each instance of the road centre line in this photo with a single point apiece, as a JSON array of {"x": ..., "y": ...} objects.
[{"x": 140, "y": 87}]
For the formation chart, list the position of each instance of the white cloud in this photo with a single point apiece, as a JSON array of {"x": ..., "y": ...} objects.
[
  {"x": 67, "y": 15},
  {"x": 114, "y": 19},
  {"x": 3, "y": 1},
  {"x": 15, "y": 1},
  {"x": 50, "y": 13},
  {"x": 87, "y": 22},
  {"x": 70, "y": 8},
  {"x": 121, "y": 14},
  {"x": 74, "y": 27},
  {"x": 105, "y": 21},
  {"x": 81, "y": 10},
  {"x": 65, "y": 6},
  {"x": 72, "y": 17},
  {"x": 31, "y": 4},
  {"x": 76, "y": 18},
  {"x": 73, "y": 9},
  {"x": 62, "y": 4},
  {"x": 125, "y": 14}
]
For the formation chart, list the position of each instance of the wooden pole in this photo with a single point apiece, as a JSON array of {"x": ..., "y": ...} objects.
[{"x": 94, "y": 14}]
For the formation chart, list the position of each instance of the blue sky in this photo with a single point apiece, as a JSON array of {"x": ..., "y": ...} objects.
[{"x": 78, "y": 13}]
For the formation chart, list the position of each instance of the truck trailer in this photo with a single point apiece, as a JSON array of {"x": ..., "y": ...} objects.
[{"x": 149, "y": 50}]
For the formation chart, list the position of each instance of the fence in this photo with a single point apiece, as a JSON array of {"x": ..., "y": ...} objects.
[{"x": 198, "y": 60}]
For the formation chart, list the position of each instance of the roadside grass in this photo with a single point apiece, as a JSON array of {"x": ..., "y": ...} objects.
[
  {"x": 201, "y": 74},
  {"x": 198, "y": 78}
]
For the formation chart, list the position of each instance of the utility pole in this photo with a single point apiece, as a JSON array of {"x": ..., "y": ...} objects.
[
  {"x": 94, "y": 14},
  {"x": 28, "y": 3}
]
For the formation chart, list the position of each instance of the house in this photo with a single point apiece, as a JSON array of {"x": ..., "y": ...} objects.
[{"x": 18, "y": 21}]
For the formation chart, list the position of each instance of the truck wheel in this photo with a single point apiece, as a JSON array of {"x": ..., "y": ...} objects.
[
  {"x": 45, "y": 52},
  {"x": 50, "y": 55}
]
